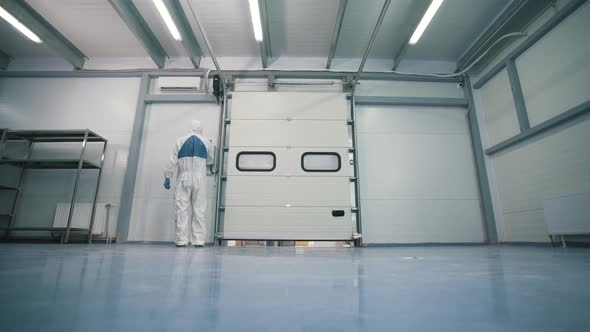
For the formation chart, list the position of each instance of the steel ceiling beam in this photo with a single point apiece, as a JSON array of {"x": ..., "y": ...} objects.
[
  {"x": 489, "y": 32},
  {"x": 189, "y": 40},
  {"x": 48, "y": 34},
  {"x": 265, "y": 50},
  {"x": 336, "y": 34},
  {"x": 412, "y": 22},
  {"x": 373, "y": 36},
  {"x": 135, "y": 22},
  {"x": 4, "y": 60}
]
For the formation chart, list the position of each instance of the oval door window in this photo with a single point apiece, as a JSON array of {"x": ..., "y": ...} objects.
[
  {"x": 320, "y": 162},
  {"x": 255, "y": 161}
]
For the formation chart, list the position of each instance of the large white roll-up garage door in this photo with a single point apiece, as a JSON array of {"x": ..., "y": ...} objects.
[{"x": 288, "y": 173}]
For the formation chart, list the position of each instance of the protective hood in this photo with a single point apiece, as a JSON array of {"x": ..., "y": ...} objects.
[{"x": 196, "y": 127}]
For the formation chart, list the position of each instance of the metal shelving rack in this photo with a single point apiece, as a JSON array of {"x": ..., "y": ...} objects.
[{"x": 83, "y": 136}]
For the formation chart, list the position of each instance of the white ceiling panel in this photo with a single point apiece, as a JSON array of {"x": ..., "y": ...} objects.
[
  {"x": 93, "y": 26},
  {"x": 396, "y": 27},
  {"x": 359, "y": 22},
  {"x": 301, "y": 27},
  {"x": 227, "y": 24}
]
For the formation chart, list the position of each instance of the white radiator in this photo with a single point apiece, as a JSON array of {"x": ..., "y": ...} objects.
[
  {"x": 81, "y": 217},
  {"x": 568, "y": 214}
]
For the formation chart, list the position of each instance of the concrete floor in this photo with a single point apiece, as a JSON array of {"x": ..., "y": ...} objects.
[{"x": 51, "y": 287}]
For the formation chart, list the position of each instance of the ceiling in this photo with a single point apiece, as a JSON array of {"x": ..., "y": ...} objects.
[{"x": 298, "y": 28}]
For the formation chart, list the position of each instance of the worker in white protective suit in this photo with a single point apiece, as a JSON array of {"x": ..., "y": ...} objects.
[{"x": 190, "y": 156}]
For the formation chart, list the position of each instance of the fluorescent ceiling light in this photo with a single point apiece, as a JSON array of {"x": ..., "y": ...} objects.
[
  {"x": 430, "y": 12},
  {"x": 168, "y": 19},
  {"x": 19, "y": 26},
  {"x": 255, "y": 15}
]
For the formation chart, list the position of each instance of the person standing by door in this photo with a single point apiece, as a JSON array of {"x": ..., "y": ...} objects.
[{"x": 189, "y": 158}]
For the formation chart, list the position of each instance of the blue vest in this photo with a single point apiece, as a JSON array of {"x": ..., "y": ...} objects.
[{"x": 193, "y": 147}]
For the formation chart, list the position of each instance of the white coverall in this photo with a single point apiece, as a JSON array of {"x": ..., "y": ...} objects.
[{"x": 190, "y": 156}]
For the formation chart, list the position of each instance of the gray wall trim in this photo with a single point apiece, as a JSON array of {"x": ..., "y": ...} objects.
[
  {"x": 4, "y": 60},
  {"x": 485, "y": 38},
  {"x": 135, "y": 22},
  {"x": 50, "y": 36},
  {"x": 526, "y": 244},
  {"x": 303, "y": 74},
  {"x": 336, "y": 33},
  {"x": 189, "y": 40},
  {"x": 544, "y": 126},
  {"x": 519, "y": 103},
  {"x": 491, "y": 233},
  {"x": 132, "y": 162},
  {"x": 411, "y": 101},
  {"x": 566, "y": 11},
  {"x": 69, "y": 74},
  {"x": 326, "y": 74},
  {"x": 180, "y": 99},
  {"x": 265, "y": 45}
]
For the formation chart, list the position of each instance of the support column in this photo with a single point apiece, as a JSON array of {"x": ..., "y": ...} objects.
[
  {"x": 491, "y": 233},
  {"x": 521, "y": 113},
  {"x": 132, "y": 162}
]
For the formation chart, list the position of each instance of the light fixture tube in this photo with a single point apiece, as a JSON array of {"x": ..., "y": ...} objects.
[
  {"x": 168, "y": 19},
  {"x": 256, "y": 23},
  {"x": 19, "y": 26},
  {"x": 430, "y": 12}
]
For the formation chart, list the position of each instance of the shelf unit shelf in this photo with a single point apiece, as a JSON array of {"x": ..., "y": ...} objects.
[
  {"x": 32, "y": 137},
  {"x": 53, "y": 136},
  {"x": 45, "y": 229},
  {"x": 50, "y": 163},
  {"x": 3, "y": 187}
]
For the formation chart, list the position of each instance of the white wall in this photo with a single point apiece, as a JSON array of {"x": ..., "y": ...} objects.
[
  {"x": 418, "y": 177},
  {"x": 104, "y": 105},
  {"x": 555, "y": 75},
  {"x": 418, "y": 181},
  {"x": 152, "y": 216}
]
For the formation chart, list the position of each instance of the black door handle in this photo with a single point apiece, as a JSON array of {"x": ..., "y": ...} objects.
[{"x": 337, "y": 213}]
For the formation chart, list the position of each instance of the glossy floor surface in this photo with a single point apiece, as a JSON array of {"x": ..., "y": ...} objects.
[{"x": 51, "y": 287}]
